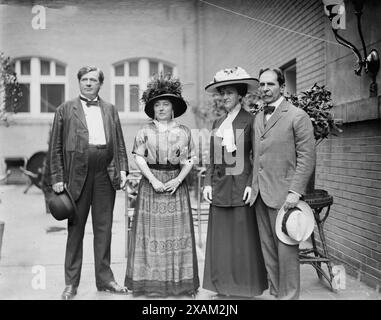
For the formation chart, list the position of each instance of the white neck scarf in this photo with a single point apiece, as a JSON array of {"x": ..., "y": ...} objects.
[{"x": 225, "y": 130}]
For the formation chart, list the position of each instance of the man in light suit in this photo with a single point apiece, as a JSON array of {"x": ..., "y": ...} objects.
[
  {"x": 87, "y": 154},
  {"x": 284, "y": 159}
]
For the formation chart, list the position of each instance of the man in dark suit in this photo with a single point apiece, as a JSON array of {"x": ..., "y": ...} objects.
[
  {"x": 284, "y": 159},
  {"x": 87, "y": 155}
]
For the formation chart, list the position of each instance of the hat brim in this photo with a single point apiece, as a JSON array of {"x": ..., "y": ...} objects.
[
  {"x": 57, "y": 213},
  {"x": 305, "y": 208},
  {"x": 71, "y": 200},
  {"x": 178, "y": 104},
  {"x": 252, "y": 84}
]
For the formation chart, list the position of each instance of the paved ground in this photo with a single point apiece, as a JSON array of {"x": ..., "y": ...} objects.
[{"x": 32, "y": 255}]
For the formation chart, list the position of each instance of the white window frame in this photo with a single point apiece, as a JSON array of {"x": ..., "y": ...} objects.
[
  {"x": 141, "y": 80},
  {"x": 287, "y": 68},
  {"x": 35, "y": 80}
]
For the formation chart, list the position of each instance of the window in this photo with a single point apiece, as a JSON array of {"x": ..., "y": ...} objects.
[
  {"x": 25, "y": 67},
  {"x": 153, "y": 68},
  {"x": 24, "y": 103},
  {"x": 52, "y": 95},
  {"x": 134, "y": 97},
  {"x": 168, "y": 69},
  {"x": 60, "y": 69},
  {"x": 129, "y": 79},
  {"x": 119, "y": 97},
  {"x": 119, "y": 70},
  {"x": 133, "y": 68},
  {"x": 43, "y": 83},
  {"x": 289, "y": 70},
  {"x": 45, "y": 67}
]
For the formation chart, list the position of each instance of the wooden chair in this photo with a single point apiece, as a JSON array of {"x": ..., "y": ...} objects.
[
  {"x": 131, "y": 193},
  {"x": 200, "y": 210}
]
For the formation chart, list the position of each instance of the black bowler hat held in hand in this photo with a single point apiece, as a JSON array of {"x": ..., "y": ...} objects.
[{"x": 62, "y": 206}]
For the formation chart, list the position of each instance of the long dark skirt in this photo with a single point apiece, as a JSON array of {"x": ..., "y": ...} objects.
[
  {"x": 161, "y": 253},
  {"x": 234, "y": 264}
]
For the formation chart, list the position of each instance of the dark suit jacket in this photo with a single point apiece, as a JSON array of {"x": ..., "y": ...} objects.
[
  {"x": 69, "y": 142},
  {"x": 284, "y": 154},
  {"x": 227, "y": 178}
]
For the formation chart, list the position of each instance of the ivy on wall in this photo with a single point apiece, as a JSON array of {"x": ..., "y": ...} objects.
[{"x": 10, "y": 90}]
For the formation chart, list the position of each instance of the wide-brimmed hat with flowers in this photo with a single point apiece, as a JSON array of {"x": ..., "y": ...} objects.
[
  {"x": 235, "y": 75},
  {"x": 164, "y": 87}
]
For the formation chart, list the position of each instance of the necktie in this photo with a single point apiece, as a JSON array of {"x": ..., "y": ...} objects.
[
  {"x": 90, "y": 103},
  {"x": 268, "y": 109}
]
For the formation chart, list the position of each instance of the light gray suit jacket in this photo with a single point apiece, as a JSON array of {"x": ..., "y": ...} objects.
[{"x": 284, "y": 154}]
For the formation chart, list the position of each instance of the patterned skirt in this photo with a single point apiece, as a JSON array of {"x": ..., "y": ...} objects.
[{"x": 161, "y": 251}]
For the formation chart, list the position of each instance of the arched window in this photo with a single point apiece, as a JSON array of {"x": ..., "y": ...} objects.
[
  {"x": 129, "y": 79},
  {"x": 43, "y": 82}
]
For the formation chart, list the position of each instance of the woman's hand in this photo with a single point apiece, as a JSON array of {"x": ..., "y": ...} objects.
[
  {"x": 123, "y": 180},
  {"x": 58, "y": 187},
  {"x": 157, "y": 185},
  {"x": 247, "y": 195},
  {"x": 172, "y": 185},
  {"x": 207, "y": 193}
]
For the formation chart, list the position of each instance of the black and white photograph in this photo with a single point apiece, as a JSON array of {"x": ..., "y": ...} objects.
[{"x": 187, "y": 151}]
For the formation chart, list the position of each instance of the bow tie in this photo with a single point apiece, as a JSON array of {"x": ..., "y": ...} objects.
[
  {"x": 90, "y": 103},
  {"x": 268, "y": 109}
]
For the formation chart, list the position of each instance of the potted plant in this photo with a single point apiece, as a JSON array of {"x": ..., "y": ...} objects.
[{"x": 317, "y": 103}]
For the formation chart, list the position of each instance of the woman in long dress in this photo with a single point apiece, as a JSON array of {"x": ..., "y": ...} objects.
[
  {"x": 234, "y": 264},
  {"x": 161, "y": 254}
]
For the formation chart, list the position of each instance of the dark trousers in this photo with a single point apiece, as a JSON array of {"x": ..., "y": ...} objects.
[
  {"x": 281, "y": 260},
  {"x": 98, "y": 194}
]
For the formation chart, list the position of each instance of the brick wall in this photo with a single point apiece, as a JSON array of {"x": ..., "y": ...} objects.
[
  {"x": 230, "y": 39},
  {"x": 349, "y": 168}
]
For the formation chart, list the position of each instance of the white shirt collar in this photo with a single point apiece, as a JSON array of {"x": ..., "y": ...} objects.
[
  {"x": 95, "y": 99},
  {"x": 233, "y": 113},
  {"x": 277, "y": 102}
]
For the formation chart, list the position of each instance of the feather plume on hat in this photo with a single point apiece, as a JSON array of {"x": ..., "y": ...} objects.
[
  {"x": 164, "y": 87},
  {"x": 161, "y": 84}
]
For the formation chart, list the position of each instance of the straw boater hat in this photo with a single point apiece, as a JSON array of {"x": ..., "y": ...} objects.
[
  {"x": 62, "y": 206},
  {"x": 295, "y": 225},
  {"x": 164, "y": 87},
  {"x": 236, "y": 75}
]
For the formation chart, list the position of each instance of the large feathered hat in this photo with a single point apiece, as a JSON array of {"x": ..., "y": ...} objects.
[
  {"x": 164, "y": 87},
  {"x": 231, "y": 76}
]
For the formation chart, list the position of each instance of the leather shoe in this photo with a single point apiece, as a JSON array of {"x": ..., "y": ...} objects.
[
  {"x": 113, "y": 287},
  {"x": 69, "y": 292}
]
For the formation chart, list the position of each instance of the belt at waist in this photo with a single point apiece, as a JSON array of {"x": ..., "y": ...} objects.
[
  {"x": 98, "y": 146},
  {"x": 157, "y": 166}
]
